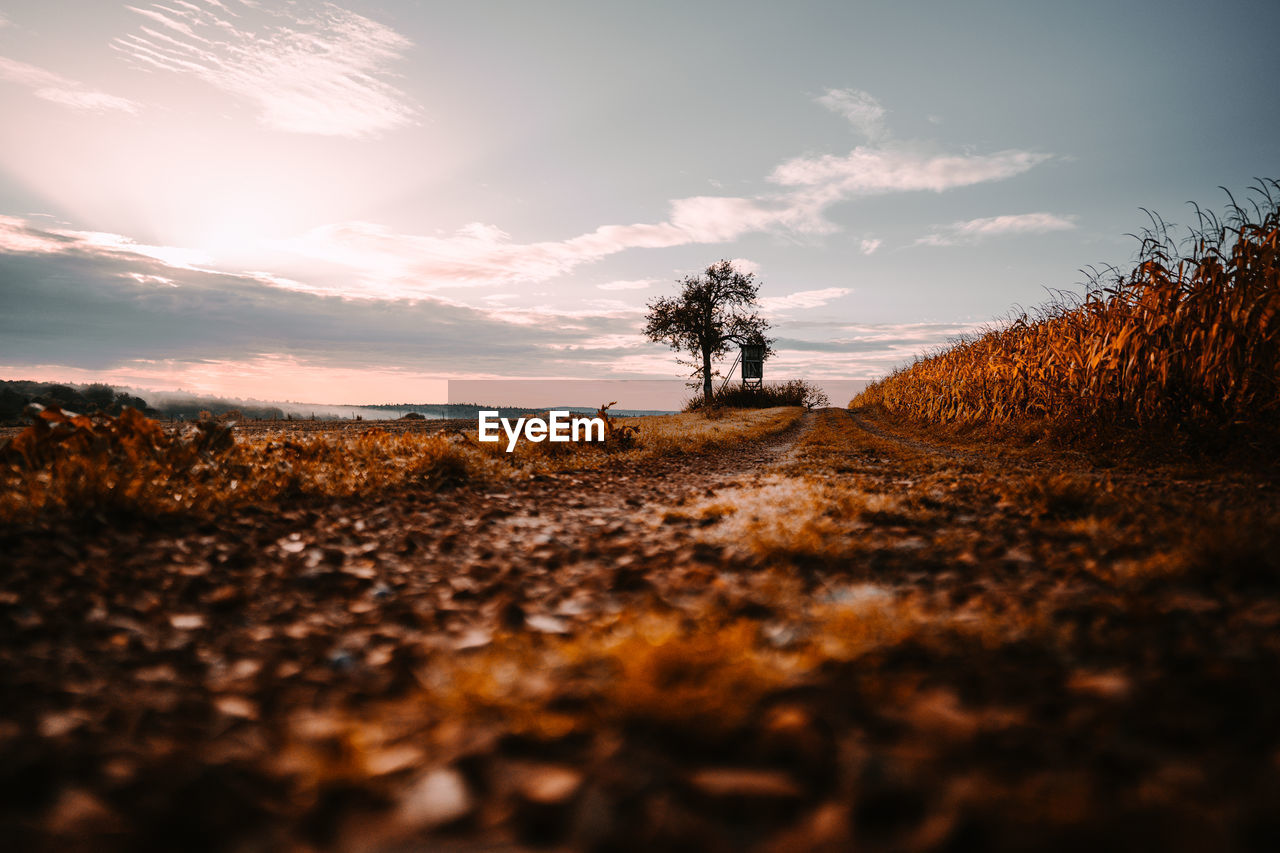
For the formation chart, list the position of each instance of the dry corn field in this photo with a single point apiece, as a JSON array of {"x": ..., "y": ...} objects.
[{"x": 1188, "y": 341}]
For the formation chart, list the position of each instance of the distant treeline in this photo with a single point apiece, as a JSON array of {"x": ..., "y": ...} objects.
[
  {"x": 98, "y": 397},
  {"x": 186, "y": 408},
  {"x": 15, "y": 395},
  {"x": 472, "y": 410},
  {"x": 452, "y": 410}
]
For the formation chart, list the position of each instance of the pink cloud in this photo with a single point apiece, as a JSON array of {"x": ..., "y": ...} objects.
[
  {"x": 18, "y": 236},
  {"x": 391, "y": 265},
  {"x": 324, "y": 73},
  {"x": 803, "y": 299},
  {"x": 358, "y": 352},
  {"x": 717, "y": 219},
  {"x": 270, "y": 377},
  {"x": 635, "y": 284},
  {"x": 61, "y": 90}
]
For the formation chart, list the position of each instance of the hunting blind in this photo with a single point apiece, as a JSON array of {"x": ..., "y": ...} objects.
[{"x": 752, "y": 365}]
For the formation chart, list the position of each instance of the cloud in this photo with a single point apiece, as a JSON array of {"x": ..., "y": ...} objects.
[
  {"x": 901, "y": 168},
  {"x": 861, "y": 110},
  {"x": 976, "y": 230},
  {"x": 883, "y": 165},
  {"x": 870, "y": 244},
  {"x": 98, "y": 302},
  {"x": 322, "y": 72},
  {"x": 745, "y": 266},
  {"x": 366, "y": 260},
  {"x": 18, "y": 236},
  {"x": 384, "y": 264},
  {"x": 637, "y": 284},
  {"x": 803, "y": 299},
  {"x": 723, "y": 219},
  {"x": 861, "y": 349},
  {"x": 98, "y": 307},
  {"x": 388, "y": 265},
  {"x": 61, "y": 90}
]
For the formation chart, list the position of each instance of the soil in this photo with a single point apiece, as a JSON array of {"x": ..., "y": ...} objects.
[{"x": 849, "y": 635}]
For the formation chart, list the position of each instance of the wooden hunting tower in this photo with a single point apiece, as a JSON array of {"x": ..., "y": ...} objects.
[{"x": 752, "y": 365}]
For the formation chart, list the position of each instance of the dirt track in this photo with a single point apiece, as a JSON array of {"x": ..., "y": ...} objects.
[{"x": 848, "y": 634}]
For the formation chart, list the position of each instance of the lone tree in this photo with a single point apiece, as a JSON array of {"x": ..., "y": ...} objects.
[{"x": 713, "y": 311}]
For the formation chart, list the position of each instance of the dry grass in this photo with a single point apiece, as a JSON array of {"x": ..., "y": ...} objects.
[
  {"x": 130, "y": 466},
  {"x": 1188, "y": 338},
  {"x": 656, "y": 436},
  {"x": 675, "y": 435}
]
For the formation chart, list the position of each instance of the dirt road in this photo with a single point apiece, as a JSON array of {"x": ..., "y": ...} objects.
[{"x": 848, "y": 634}]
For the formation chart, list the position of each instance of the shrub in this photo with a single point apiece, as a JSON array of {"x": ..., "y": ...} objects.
[{"x": 792, "y": 392}]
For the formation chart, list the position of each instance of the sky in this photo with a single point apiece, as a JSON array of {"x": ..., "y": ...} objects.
[{"x": 355, "y": 202}]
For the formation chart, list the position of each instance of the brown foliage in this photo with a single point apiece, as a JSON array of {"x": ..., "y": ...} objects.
[
  {"x": 617, "y": 436},
  {"x": 69, "y": 464},
  {"x": 56, "y": 434}
]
